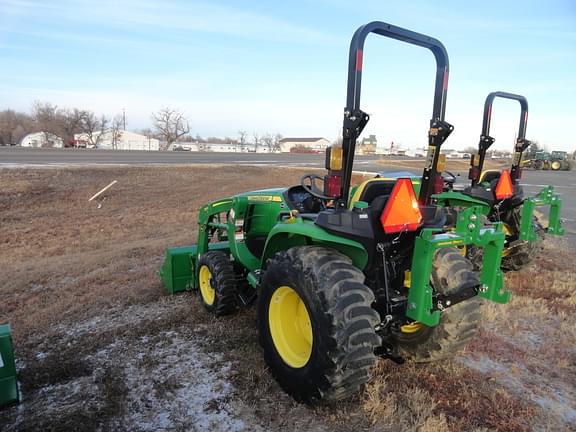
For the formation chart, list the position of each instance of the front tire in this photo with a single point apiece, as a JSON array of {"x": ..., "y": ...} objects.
[
  {"x": 316, "y": 324},
  {"x": 458, "y": 324},
  {"x": 217, "y": 283}
]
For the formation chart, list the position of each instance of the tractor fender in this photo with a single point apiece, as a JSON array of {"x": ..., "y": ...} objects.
[
  {"x": 301, "y": 232},
  {"x": 458, "y": 199}
]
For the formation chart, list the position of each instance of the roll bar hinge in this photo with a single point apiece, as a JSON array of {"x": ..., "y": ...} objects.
[
  {"x": 354, "y": 123},
  {"x": 440, "y": 130}
]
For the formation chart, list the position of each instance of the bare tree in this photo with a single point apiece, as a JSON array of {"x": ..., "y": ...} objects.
[
  {"x": 46, "y": 119},
  {"x": 272, "y": 142},
  {"x": 94, "y": 127},
  {"x": 170, "y": 124},
  {"x": 71, "y": 121},
  {"x": 242, "y": 134},
  {"x": 276, "y": 142},
  {"x": 268, "y": 141},
  {"x": 256, "y": 141},
  {"x": 14, "y": 126},
  {"x": 117, "y": 130},
  {"x": 63, "y": 123}
]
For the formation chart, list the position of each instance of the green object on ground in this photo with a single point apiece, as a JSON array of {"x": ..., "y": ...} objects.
[
  {"x": 8, "y": 381},
  {"x": 177, "y": 272}
]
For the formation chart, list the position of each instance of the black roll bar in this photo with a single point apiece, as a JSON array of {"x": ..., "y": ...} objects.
[
  {"x": 355, "y": 119},
  {"x": 486, "y": 140}
]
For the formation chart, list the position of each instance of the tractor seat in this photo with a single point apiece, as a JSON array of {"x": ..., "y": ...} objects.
[
  {"x": 370, "y": 189},
  {"x": 489, "y": 176}
]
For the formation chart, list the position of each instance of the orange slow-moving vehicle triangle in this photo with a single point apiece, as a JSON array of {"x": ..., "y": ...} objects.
[
  {"x": 504, "y": 187},
  {"x": 401, "y": 212}
]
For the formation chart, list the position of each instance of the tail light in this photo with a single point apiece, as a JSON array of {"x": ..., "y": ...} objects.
[
  {"x": 401, "y": 212},
  {"x": 438, "y": 185},
  {"x": 332, "y": 184},
  {"x": 474, "y": 173},
  {"x": 504, "y": 187}
]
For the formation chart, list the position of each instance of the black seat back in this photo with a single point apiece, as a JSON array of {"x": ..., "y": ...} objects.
[{"x": 375, "y": 189}]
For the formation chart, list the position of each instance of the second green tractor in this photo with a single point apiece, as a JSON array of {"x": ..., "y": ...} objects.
[{"x": 501, "y": 197}]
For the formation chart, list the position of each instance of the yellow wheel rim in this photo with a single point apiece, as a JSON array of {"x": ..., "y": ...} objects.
[
  {"x": 413, "y": 327},
  {"x": 508, "y": 231},
  {"x": 290, "y": 327},
  {"x": 555, "y": 165},
  {"x": 205, "y": 279}
]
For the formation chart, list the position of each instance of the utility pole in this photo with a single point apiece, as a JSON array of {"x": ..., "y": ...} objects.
[{"x": 124, "y": 118}]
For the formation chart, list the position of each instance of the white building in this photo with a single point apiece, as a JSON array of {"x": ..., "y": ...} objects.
[
  {"x": 219, "y": 147},
  {"x": 120, "y": 140},
  {"x": 313, "y": 144},
  {"x": 42, "y": 139}
]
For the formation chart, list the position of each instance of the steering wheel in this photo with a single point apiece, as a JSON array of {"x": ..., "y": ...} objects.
[
  {"x": 449, "y": 179},
  {"x": 311, "y": 188}
]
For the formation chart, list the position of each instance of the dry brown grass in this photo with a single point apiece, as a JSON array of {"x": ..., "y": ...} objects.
[{"x": 69, "y": 265}]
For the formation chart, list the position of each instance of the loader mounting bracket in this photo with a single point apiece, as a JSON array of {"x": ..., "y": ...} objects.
[
  {"x": 546, "y": 197},
  {"x": 420, "y": 304}
]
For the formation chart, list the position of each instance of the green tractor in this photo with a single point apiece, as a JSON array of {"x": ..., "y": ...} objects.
[
  {"x": 543, "y": 160},
  {"x": 342, "y": 278},
  {"x": 559, "y": 161},
  {"x": 501, "y": 198}
]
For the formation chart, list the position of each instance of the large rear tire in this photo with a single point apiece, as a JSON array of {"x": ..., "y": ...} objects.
[
  {"x": 519, "y": 253},
  {"x": 458, "y": 324},
  {"x": 217, "y": 283},
  {"x": 316, "y": 324}
]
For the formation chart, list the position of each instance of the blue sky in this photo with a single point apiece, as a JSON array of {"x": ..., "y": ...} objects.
[{"x": 281, "y": 66}]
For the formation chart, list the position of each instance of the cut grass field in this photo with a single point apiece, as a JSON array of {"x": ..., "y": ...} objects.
[{"x": 101, "y": 346}]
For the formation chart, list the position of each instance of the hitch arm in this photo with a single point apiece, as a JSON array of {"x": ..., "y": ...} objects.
[
  {"x": 545, "y": 197},
  {"x": 420, "y": 304}
]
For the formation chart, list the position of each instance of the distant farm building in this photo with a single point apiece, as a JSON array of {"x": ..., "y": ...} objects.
[
  {"x": 119, "y": 140},
  {"x": 367, "y": 145},
  {"x": 220, "y": 147},
  {"x": 42, "y": 139},
  {"x": 312, "y": 144}
]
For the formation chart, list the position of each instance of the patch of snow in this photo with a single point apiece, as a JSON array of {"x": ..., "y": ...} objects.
[
  {"x": 546, "y": 395},
  {"x": 171, "y": 383}
]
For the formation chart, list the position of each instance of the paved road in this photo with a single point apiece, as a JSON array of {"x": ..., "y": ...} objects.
[
  {"x": 533, "y": 181},
  {"x": 17, "y": 156}
]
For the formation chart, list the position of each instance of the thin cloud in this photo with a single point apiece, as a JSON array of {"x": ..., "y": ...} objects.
[{"x": 154, "y": 16}]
